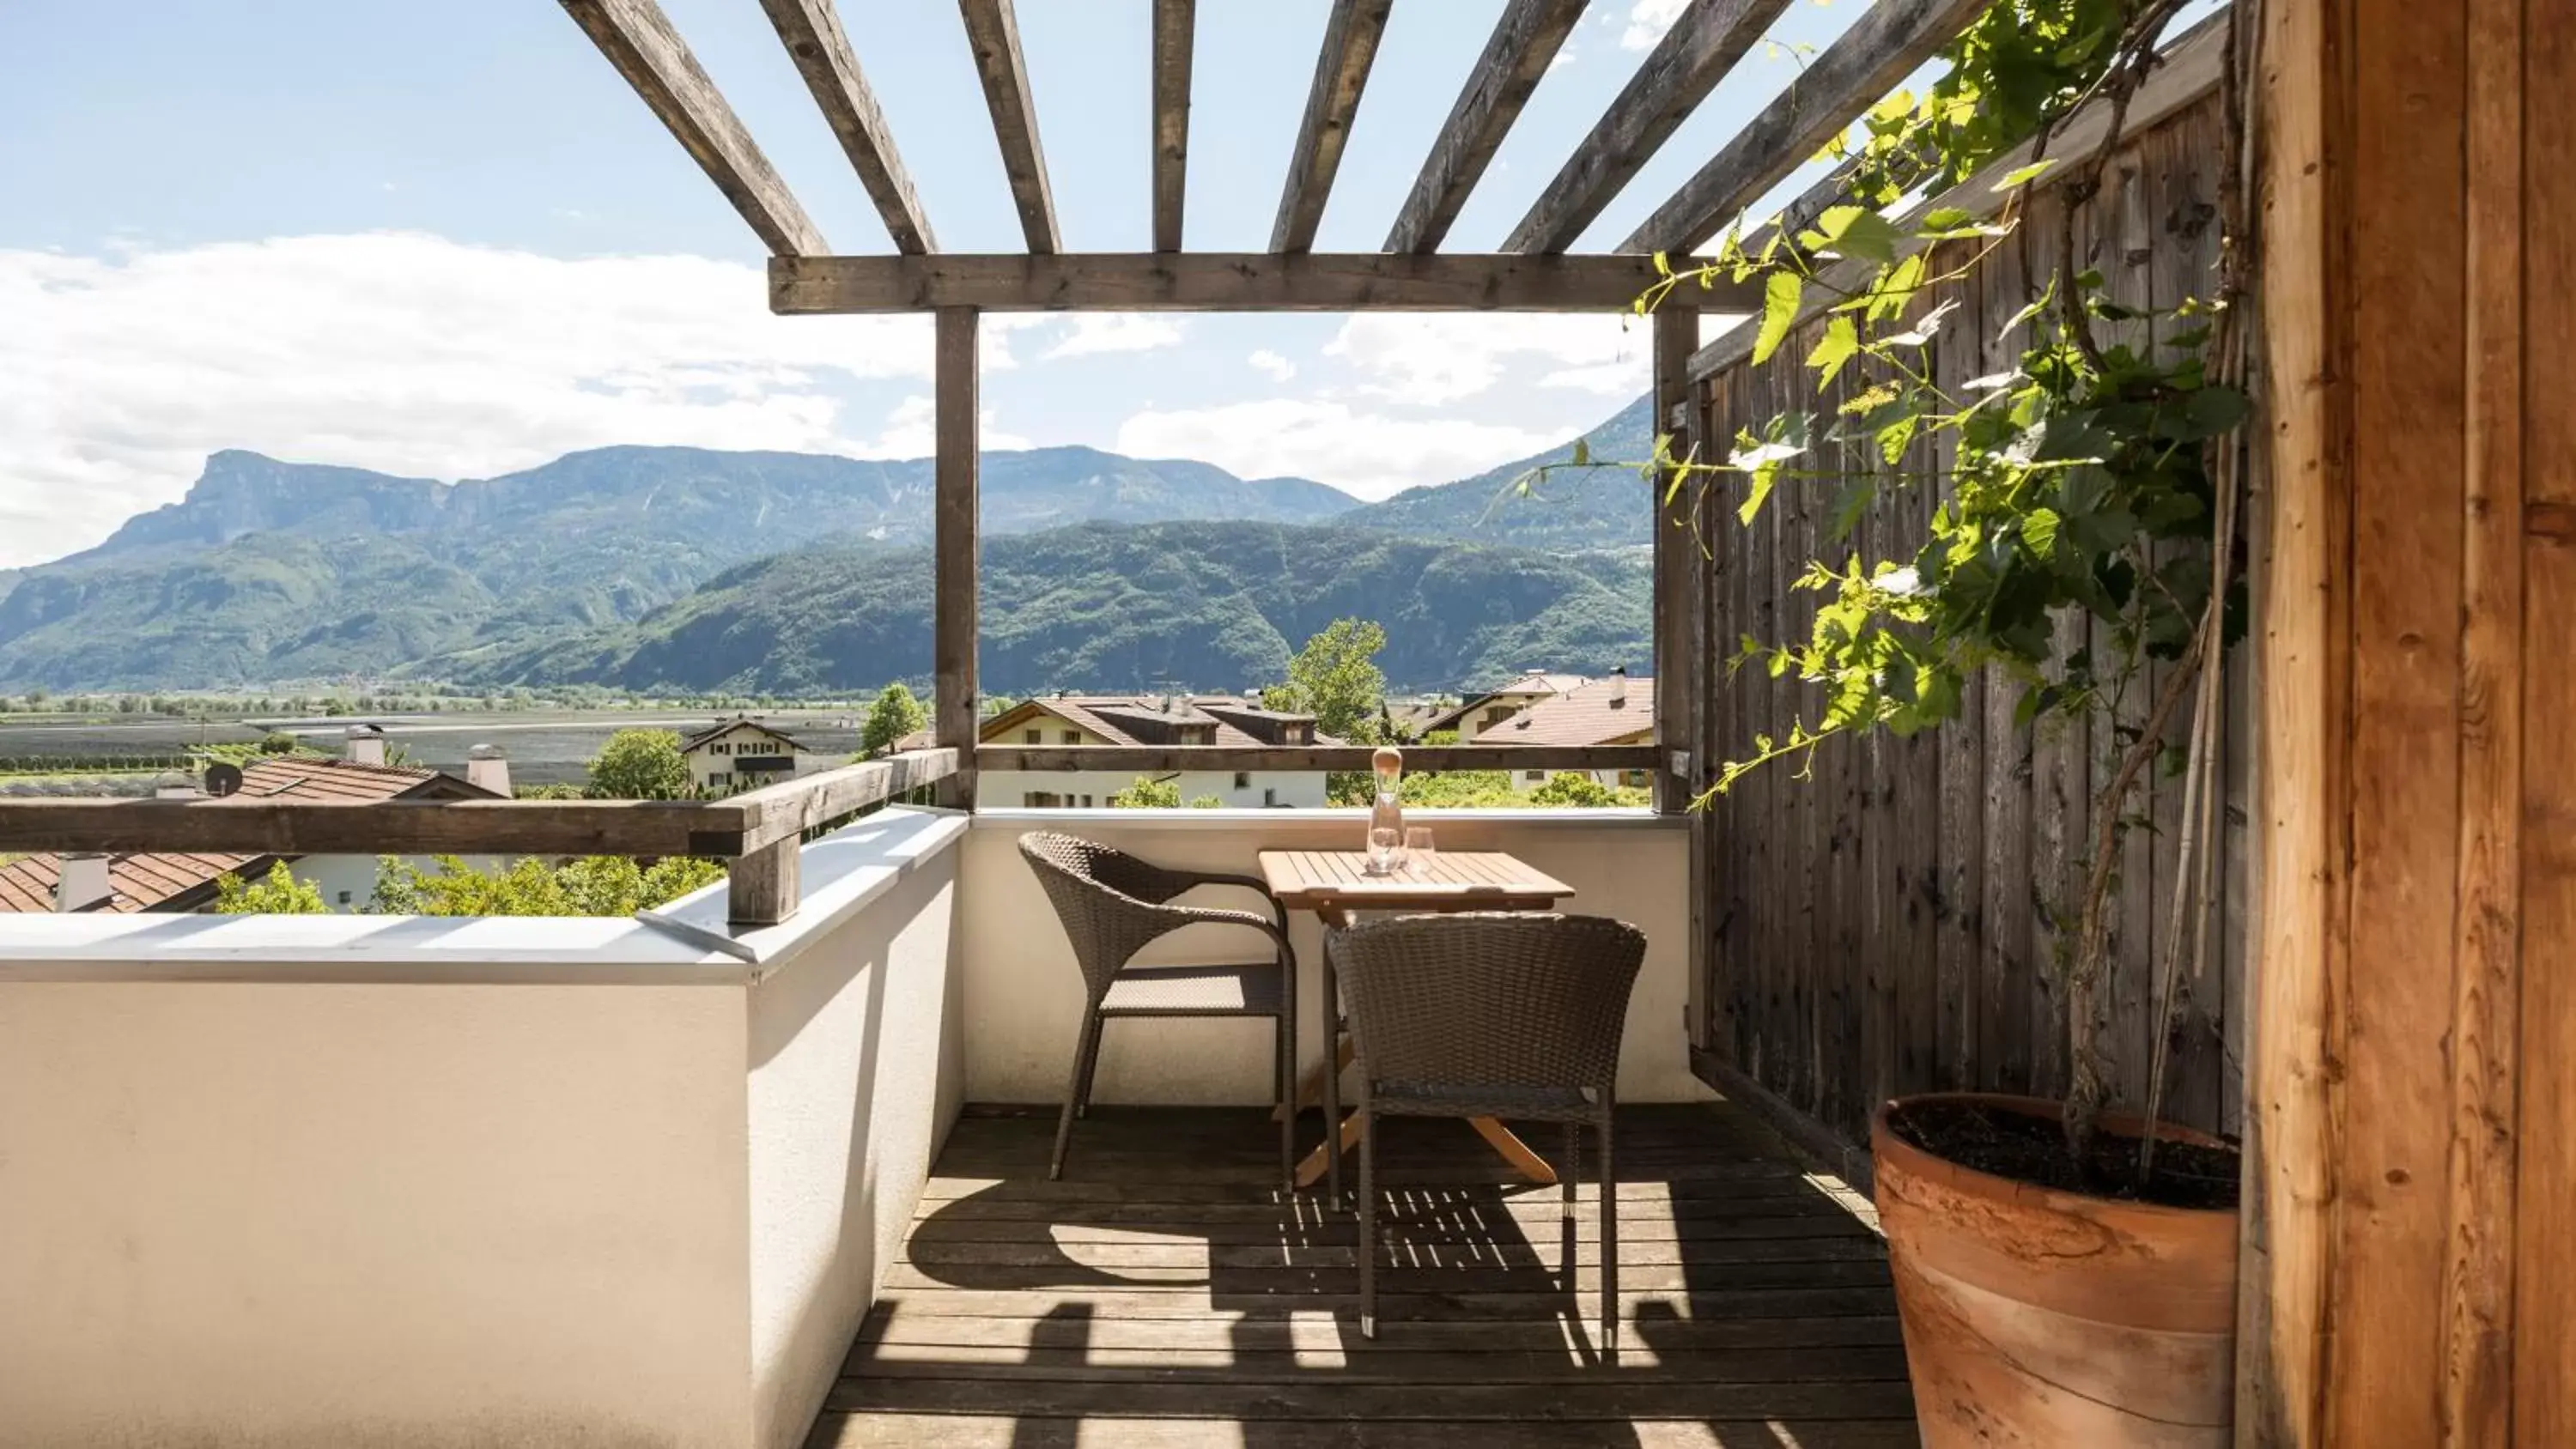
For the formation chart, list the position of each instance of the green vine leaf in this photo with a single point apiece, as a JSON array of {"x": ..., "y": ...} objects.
[
  {"x": 1858, "y": 231},
  {"x": 1839, "y": 345},
  {"x": 2021, "y": 176},
  {"x": 2039, "y": 530},
  {"x": 1782, "y": 291}
]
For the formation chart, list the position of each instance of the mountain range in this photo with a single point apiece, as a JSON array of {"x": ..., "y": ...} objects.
[{"x": 644, "y": 567}]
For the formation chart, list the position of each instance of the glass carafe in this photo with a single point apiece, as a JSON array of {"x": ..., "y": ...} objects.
[{"x": 1387, "y": 811}]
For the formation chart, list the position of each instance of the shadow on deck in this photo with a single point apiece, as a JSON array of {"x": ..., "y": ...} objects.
[{"x": 1165, "y": 1294}]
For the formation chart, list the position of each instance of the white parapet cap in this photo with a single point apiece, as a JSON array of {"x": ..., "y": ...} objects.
[{"x": 686, "y": 943}]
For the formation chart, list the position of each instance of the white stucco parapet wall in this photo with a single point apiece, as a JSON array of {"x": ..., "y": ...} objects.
[{"x": 346, "y": 1179}]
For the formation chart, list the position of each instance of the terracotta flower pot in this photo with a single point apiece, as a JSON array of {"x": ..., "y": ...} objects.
[{"x": 2035, "y": 1317}]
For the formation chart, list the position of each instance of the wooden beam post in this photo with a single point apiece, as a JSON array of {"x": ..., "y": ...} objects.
[
  {"x": 765, "y": 886},
  {"x": 1525, "y": 41},
  {"x": 1341, "y": 72},
  {"x": 957, "y": 427},
  {"x": 1234, "y": 282},
  {"x": 811, "y": 31},
  {"x": 2411, "y": 1130},
  {"x": 1679, "y": 569},
  {"x": 637, "y": 38},
  {"x": 1702, "y": 46},
  {"x": 1175, "y": 32},
  {"x": 993, "y": 32},
  {"x": 1883, "y": 46}
]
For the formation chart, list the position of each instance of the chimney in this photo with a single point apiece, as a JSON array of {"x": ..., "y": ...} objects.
[
  {"x": 83, "y": 883},
  {"x": 487, "y": 767},
  {"x": 1619, "y": 687},
  {"x": 366, "y": 744}
]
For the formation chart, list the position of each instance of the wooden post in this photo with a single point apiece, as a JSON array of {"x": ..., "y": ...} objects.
[
  {"x": 764, "y": 887},
  {"x": 2408, "y": 1095},
  {"x": 1678, "y": 569},
  {"x": 957, "y": 426},
  {"x": 1681, "y": 640}
]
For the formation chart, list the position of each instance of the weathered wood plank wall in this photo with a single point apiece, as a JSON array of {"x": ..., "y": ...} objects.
[{"x": 1893, "y": 921}]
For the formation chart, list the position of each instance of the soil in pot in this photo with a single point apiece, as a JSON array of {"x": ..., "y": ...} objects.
[{"x": 2032, "y": 1149}]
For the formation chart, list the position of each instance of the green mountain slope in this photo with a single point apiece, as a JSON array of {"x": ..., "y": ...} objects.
[
  {"x": 1201, "y": 605},
  {"x": 1593, "y": 507},
  {"x": 642, "y": 565},
  {"x": 269, "y": 570}
]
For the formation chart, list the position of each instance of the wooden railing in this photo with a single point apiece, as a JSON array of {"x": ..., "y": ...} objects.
[
  {"x": 758, "y": 831},
  {"x": 1418, "y": 759}
]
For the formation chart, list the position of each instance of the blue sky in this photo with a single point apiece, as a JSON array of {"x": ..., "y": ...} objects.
[{"x": 447, "y": 240}]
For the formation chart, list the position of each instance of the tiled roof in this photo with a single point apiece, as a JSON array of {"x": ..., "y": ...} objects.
[
  {"x": 138, "y": 882},
  {"x": 1583, "y": 716},
  {"x": 717, "y": 731},
  {"x": 1534, "y": 682},
  {"x": 152, "y": 879},
  {"x": 293, "y": 779},
  {"x": 1100, "y": 714}
]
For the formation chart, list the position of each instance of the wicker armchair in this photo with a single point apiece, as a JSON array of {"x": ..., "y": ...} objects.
[
  {"x": 1112, "y": 904},
  {"x": 1516, "y": 1016}
]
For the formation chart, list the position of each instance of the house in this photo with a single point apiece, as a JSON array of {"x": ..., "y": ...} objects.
[
  {"x": 739, "y": 753},
  {"x": 182, "y": 881},
  {"x": 1484, "y": 711},
  {"x": 1612, "y": 711},
  {"x": 1113, "y": 721}
]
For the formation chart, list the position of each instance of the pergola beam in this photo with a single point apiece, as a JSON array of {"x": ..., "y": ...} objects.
[
  {"x": 1881, "y": 49},
  {"x": 1175, "y": 31},
  {"x": 638, "y": 39},
  {"x": 2191, "y": 69},
  {"x": 1703, "y": 45},
  {"x": 1524, "y": 43},
  {"x": 1230, "y": 282},
  {"x": 993, "y": 32},
  {"x": 811, "y": 31},
  {"x": 1342, "y": 66}
]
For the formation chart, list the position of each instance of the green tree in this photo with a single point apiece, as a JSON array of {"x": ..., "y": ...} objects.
[
  {"x": 1148, "y": 794},
  {"x": 1336, "y": 679},
  {"x": 1206, "y": 802},
  {"x": 277, "y": 742},
  {"x": 640, "y": 764},
  {"x": 1573, "y": 789},
  {"x": 278, "y": 894},
  {"x": 895, "y": 714},
  {"x": 595, "y": 885}
]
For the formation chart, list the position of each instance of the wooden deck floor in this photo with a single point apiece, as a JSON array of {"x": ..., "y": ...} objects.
[{"x": 1165, "y": 1294}]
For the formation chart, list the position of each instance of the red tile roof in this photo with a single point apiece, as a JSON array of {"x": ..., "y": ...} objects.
[
  {"x": 1581, "y": 716},
  {"x": 1101, "y": 714}
]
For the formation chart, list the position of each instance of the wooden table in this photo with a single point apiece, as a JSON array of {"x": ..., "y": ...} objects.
[{"x": 1334, "y": 883}]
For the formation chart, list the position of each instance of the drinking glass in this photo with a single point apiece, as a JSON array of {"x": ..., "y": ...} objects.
[
  {"x": 1418, "y": 848},
  {"x": 1382, "y": 846}
]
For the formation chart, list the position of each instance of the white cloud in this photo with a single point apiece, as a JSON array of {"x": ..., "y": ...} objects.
[
  {"x": 1617, "y": 379},
  {"x": 1445, "y": 357},
  {"x": 1271, "y": 365},
  {"x": 401, "y": 352},
  {"x": 1096, "y": 332},
  {"x": 1370, "y": 455},
  {"x": 910, "y": 431},
  {"x": 1647, "y": 22}
]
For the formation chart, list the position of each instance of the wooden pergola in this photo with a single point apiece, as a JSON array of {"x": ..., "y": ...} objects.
[
  {"x": 1535, "y": 272},
  {"x": 2411, "y": 1083}
]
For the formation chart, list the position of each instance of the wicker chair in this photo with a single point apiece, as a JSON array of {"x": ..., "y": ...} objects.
[
  {"x": 1490, "y": 1015},
  {"x": 1112, "y": 904}
]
